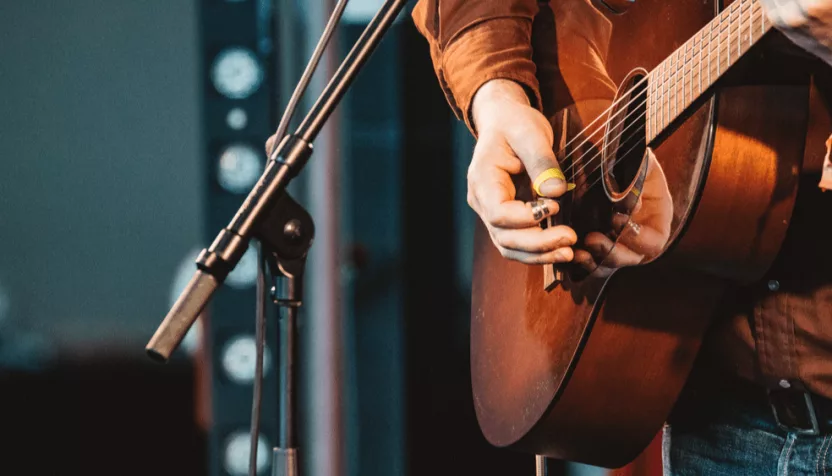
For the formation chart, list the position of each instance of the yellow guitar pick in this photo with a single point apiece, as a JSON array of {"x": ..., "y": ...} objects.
[{"x": 550, "y": 174}]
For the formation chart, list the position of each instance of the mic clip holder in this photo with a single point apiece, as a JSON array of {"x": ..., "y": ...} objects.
[{"x": 262, "y": 216}]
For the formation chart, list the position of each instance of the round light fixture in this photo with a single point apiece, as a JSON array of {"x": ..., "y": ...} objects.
[
  {"x": 238, "y": 359},
  {"x": 238, "y": 168},
  {"x": 238, "y": 450},
  {"x": 244, "y": 275},
  {"x": 236, "y": 73}
]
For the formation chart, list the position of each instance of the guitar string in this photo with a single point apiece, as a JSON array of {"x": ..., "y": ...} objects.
[
  {"x": 587, "y": 187},
  {"x": 624, "y": 142},
  {"x": 684, "y": 83},
  {"x": 646, "y": 90},
  {"x": 604, "y": 150},
  {"x": 641, "y": 127},
  {"x": 727, "y": 13},
  {"x": 719, "y": 33}
]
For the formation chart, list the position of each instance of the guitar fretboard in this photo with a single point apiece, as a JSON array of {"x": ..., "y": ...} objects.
[{"x": 690, "y": 70}]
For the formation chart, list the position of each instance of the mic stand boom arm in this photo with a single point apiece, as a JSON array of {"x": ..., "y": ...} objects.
[{"x": 261, "y": 206}]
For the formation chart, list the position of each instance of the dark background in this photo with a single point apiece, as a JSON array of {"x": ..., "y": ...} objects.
[{"x": 106, "y": 191}]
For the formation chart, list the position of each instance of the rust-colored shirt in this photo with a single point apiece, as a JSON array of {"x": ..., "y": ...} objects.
[{"x": 778, "y": 331}]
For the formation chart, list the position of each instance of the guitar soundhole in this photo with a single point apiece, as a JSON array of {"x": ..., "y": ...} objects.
[{"x": 625, "y": 138}]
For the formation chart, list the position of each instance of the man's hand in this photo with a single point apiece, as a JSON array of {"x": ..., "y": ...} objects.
[
  {"x": 514, "y": 137},
  {"x": 644, "y": 233}
]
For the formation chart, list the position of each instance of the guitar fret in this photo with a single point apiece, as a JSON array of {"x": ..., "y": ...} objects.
[
  {"x": 728, "y": 41},
  {"x": 661, "y": 96},
  {"x": 762, "y": 24},
  {"x": 673, "y": 83},
  {"x": 669, "y": 87},
  {"x": 649, "y": 106},
  {"x": 749, "y": 14},
  {"x": 686, "y": 95},
  {"x": 659, "y": 101},
  {"x": 739, "y": 37},
  {"x": 710, "y": 58},
  {"x": 680, "y": 78},
  {"x": 656, "y": 102},
  {"x": 739, "y": 28},
  {"x": 692, "y": 62},
  {"x": 664, "y": 95},
  {"x": 689, "y": 73},
  {"x": 689, "y": 79},
  {"x": 690, "y": 70},
  {"x": 701, "y": 59},
  {"x": 683, "y": 76},
  {"x": 716, "y": 46}
]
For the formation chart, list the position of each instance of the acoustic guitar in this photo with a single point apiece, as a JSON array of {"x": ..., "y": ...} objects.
[{"x": 686, "y": 180}]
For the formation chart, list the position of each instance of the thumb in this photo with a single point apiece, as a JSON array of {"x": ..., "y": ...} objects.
[{"x": 542, "y": 167}]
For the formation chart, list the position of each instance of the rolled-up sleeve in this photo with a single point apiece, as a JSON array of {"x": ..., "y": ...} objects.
[{"x": 474, "y": 41}]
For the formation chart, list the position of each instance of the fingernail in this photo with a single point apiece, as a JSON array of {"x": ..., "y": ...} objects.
[
  {"x": 550, "y": 186},
  {"x": 570, "y": 187},
  {"x": 552, "y": 207}
]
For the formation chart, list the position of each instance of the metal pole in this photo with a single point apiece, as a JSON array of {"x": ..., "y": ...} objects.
[{"x": 323, "y": 326}]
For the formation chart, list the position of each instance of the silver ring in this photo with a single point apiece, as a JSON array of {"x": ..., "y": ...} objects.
[
  {"x": 539, "y": 210},
  {"x": 635, "y": 226}
]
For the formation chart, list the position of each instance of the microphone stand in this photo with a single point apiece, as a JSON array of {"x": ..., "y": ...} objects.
[
  {"x": 286, "y": 265},
  {"x": 285, "y": 231}
]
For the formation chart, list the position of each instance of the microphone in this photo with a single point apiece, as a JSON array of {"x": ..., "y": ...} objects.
[
  {"x": 267, "y": 211},
  {"x": 181, "y": 316},
  {"x": 258, "y": 217}
]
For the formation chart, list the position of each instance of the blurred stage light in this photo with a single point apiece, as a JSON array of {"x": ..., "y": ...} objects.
[
  {"x": 244, "y": 275},
  {"x": 238, "y": 168},
  {"x": 237, "y": 119},
  {"x": 239, "y": 106},
  {"x": 238, "y": 450},
  {"x": 238, "y": 359},
  {"x": 181, "y": 277},
  {"x": 236, "y": 73},
  {"x": 190, "y": 343}
]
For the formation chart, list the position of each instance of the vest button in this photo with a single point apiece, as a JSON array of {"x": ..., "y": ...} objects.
[{"x": 773, "y": 285}]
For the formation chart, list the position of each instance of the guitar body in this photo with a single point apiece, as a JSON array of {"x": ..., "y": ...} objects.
[{"x": 588, "y": 370}]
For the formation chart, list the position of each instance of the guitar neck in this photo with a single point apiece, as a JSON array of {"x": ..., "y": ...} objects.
[{"x": 693, "y": 68}]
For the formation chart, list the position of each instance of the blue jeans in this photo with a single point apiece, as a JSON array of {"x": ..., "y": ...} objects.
[{"x": 725, "y": 432}]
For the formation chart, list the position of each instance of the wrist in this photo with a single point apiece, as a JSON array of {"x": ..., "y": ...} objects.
[{"x": 493, "y": 95}]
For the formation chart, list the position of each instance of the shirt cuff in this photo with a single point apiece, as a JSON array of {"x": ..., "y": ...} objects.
[
  {"x": 808, "y": 23},
  {"x": 498, "y": 48}
]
